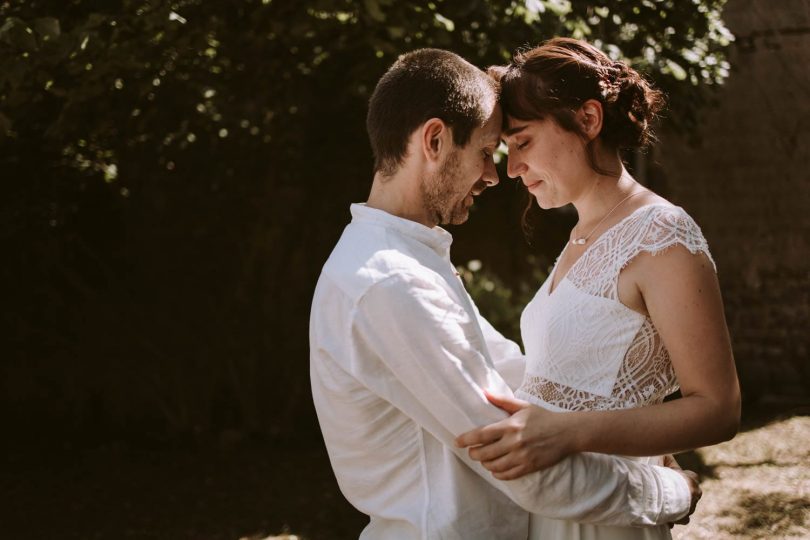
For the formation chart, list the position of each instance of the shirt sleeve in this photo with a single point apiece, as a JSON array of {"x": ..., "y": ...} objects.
[
  {"x": 508, "y": 359},
  {"x": 416, "y": 346}
]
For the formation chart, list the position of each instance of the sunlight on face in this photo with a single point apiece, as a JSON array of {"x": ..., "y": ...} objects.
[
  {"x": 466, "y": 172},
  {"x": 547, "y": 159}
]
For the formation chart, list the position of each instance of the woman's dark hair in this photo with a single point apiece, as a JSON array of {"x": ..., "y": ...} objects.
[
  {"x": 420, "y": 85},
  {"x": 555, "y": 78}
]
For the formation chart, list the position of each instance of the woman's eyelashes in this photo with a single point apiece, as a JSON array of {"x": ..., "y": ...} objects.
[{"x": 516, "y": 145}]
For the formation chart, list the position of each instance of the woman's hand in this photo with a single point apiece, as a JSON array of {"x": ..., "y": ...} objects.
[{"x": 529, "y": 440}]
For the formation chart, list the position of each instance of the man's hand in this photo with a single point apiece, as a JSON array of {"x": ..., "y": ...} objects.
[
  {"x": 694, "y": 487},
  {"x": 529, "y": 440}
]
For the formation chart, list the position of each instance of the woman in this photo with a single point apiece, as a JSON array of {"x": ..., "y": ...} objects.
[{"x": 632, "y": 307}]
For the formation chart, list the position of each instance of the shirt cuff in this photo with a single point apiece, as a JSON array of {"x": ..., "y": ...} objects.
[{"x": 677, "y": 496}]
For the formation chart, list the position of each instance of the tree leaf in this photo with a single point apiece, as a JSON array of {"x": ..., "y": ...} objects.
[
  {"x": 373, "y": 8},
  {"x": 16, "y": 33},
  {"x": 47, "y": 28},
  {"x": 5, "y": 125},
  {"x": 675, "y": 69}
]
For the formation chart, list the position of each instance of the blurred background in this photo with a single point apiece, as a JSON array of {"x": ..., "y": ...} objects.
[{"x": 176, "y": 173}]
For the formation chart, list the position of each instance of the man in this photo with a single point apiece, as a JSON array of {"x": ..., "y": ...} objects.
[{"x": 400, "y": 358}]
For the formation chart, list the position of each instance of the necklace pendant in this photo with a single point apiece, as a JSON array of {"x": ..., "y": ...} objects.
[{"x": 578, "y": 241}]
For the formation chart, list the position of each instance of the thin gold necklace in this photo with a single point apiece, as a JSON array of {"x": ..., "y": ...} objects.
[{"x": 581, "y": 241}]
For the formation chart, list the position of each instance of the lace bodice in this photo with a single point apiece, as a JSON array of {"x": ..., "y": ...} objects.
[{"x": 586, "y": 350}]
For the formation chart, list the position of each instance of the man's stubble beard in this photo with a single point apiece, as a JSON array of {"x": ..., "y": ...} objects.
[{"x": 441, "y": 196}]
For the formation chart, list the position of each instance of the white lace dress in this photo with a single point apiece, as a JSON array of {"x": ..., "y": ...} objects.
[{"x": 586, "y": 350}]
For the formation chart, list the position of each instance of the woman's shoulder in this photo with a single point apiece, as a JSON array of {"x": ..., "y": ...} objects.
[
  {"x": 656, "y": 210},
  {"x": 661, "y": 225}
]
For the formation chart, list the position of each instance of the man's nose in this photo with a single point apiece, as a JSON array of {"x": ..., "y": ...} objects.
[
  {"x": 514, "y": 166},
  {"x": 490, "y": 176}
]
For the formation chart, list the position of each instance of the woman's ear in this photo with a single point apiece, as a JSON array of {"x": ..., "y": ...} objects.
[
  {"x": 435, "y": 139},
  {"x": 589, "y": 117}
]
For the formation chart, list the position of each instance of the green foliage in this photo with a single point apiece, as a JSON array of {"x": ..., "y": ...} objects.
[
  {"x": 499, "y": 303},
  {"x": 176, "y": 173},
  {"x": 254, "y": 70}
]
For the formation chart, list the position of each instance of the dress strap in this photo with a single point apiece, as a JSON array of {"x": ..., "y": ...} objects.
[{"x": 657, "y": 229}]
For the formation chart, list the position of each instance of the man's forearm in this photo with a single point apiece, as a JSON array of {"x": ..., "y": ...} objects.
[{"x": 597, "y": 488}]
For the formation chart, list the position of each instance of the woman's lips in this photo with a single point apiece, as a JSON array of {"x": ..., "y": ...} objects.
[{"x": 530, "y": 185}]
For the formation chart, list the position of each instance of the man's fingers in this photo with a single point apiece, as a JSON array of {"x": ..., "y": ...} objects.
[
  {"x": 508, "y": 404},
  {"x": 671, "y": 462},
  {"x": 697, "y": 492},
  {"x": 682, "y": 521}
]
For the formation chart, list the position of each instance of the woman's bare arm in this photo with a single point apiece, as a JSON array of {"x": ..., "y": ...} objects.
[{"x": 682, "y": 296}]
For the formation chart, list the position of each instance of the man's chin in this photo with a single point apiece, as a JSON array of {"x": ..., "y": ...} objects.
[{"x": 458, "y": 217}]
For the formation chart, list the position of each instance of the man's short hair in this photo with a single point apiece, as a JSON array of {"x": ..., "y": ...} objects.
[{"x": 420, "y": 85}]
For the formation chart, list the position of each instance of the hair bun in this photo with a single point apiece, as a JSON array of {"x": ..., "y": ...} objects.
[{"x": 629, "y": 108}]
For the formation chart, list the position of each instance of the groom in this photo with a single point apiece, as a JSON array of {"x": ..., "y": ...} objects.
[{"x": 400, "y": 357}]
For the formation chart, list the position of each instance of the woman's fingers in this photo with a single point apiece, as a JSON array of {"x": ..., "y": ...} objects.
[
  {"x": 490, "y": 452},
  {"x": 508, "y": 404},
  {"x": 504, "y": 463},
  {"x": 481, "y": 436},
  {"x": 493, "y": 432},
  {"x": 511, "y": 474}
]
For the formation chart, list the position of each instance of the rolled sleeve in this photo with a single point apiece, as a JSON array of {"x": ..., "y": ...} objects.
[{"x": 677, "y": 496}]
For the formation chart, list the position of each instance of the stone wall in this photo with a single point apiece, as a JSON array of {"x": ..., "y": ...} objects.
[{"x": 747, "y": 184}]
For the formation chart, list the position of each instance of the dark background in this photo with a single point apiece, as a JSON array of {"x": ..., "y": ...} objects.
[{"x": 176, "y": 173}]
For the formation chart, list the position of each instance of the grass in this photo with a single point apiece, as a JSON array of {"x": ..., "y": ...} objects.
[{"x": 754, "y": 486}]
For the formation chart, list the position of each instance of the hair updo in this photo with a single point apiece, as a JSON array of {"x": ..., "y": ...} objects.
[{"x": 557, "y": 77}]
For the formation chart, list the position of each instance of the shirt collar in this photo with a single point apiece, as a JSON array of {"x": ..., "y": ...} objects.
[{"x": 436, "y": 238}]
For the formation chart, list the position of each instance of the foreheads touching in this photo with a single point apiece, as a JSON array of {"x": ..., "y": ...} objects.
[{"x": 420, "y": 85}]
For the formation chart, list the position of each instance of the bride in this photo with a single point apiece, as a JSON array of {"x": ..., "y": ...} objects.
[{"x": 631, "y": 310}]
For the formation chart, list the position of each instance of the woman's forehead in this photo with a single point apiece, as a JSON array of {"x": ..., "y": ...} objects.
[{"x": 512, "y": 126}]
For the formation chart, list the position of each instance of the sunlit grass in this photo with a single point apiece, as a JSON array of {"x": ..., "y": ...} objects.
[{"x": 758, "y": 485}]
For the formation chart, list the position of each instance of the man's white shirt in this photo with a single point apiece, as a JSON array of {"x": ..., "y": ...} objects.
[{"x": 399, "y": 361}]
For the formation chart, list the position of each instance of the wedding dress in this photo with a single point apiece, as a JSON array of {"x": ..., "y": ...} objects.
[{"x": 586, "y": 350}]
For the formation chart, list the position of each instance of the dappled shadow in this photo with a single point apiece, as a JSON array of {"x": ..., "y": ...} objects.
[
  {"x": 768, "y": 515},
  {"x": 770, "y": 409},
  {"x": 693, "y": 461},
  {"x": 754, "y": 417}
]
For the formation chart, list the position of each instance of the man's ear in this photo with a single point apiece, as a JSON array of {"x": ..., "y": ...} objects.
[
  {"x": 435, "y": 139},
  {"x": 589, "y": 117}
]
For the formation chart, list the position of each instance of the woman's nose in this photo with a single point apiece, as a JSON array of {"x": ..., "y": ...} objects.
[{"x": 514, "y": 166}]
